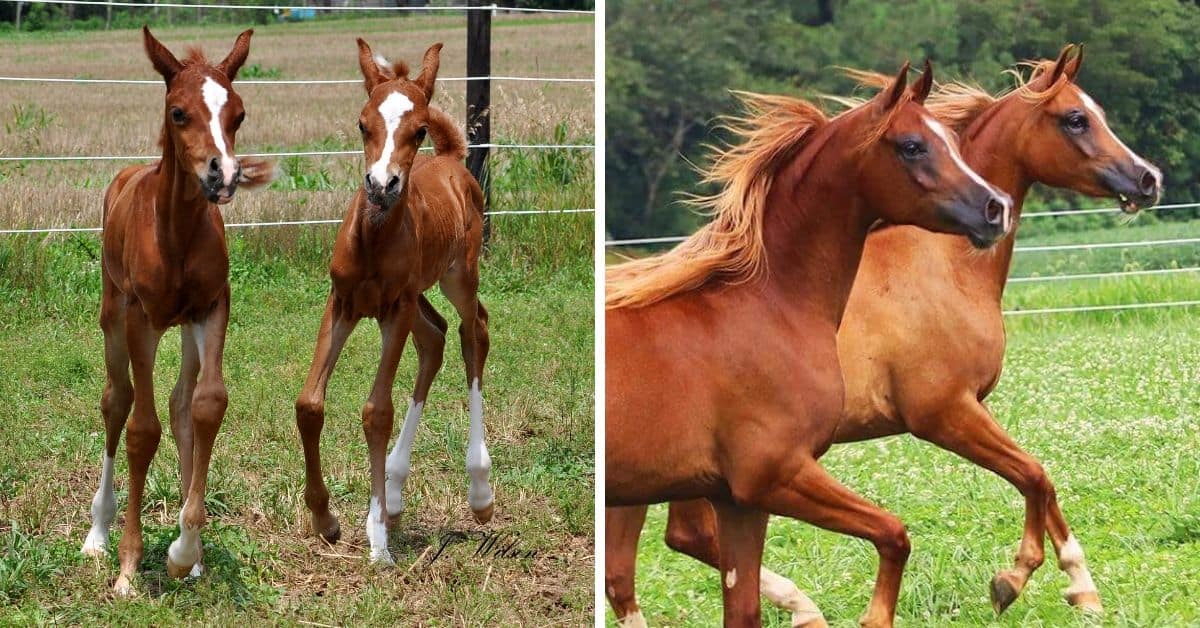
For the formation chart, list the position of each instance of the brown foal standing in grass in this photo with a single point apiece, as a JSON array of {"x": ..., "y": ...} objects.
[
  {"x": 920, "y": 351},
  {"x": 723, "y": 378},
  {"x": 416, "y": 221},
  {"x": 164, "y": 264}
]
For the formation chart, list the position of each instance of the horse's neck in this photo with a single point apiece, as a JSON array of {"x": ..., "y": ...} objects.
[{"x": 179, "y": 204}]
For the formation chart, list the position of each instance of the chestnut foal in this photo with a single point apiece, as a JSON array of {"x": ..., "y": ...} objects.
[
  {"x": 417, "y": 220},
  {"x": 921, "y": 356},
  {"x": 165, "y": 264},
  {"x": 736, "y": 327}
]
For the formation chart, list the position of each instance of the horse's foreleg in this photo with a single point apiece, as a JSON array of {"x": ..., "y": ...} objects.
[
  {"x": 968, "y": 429},
  {"x": 310, "y": 417},
  {"x": 461, "y": 288},
  {"x": 114, "y": 407},
  {"x": 181, "y": 403},
  {"x": 622, "y": 528},
  {"x": 803, "y": 490},
  {"x": 429, "y": 335},
  {"x": 377, "y": 419},
  {"x": 141, "y": 440},
  {"x": 207, "y": 411},
  {"x": 692, "y": 530},
  {"x": 740, "y": 534}
]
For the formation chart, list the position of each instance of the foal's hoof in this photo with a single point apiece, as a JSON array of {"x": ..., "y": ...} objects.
[
  {"x": 94, "y": 549},
  {"x": 1086, "y": 601},
  {"x": 1005, "y": 589},
  {"x": 327, "y": 528},
  {"x": 485, "y": 515},
  {"x": 123, "y": 589},
  {"x": 806, "y": 620},
  {"x": 178, "y": 571},
  {"x": 382, "y": 558}
]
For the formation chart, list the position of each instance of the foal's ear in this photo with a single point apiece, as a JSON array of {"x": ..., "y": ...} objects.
[
  {"x": 163, "y": 61},
  {"x": 920, "y": 90},
  {"x": 1072, "y": 69},
  {"x": 233, "y": 62},
  {"x": 891, "y": 95},
  {"x": 1060, "y": 65},
  {"x": 372, "y": 74},
  {"x": 429, "y": 69}
]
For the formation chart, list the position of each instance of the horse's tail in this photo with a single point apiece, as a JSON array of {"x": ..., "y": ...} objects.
[
  {"x": 257, "y": 172},
  {"x": 447, "y": 139}
]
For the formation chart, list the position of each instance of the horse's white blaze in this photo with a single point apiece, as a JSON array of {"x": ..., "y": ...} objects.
[
  {"x": 731, "y": 578},
  {"x": 633, "y": 620},
  {"x": 399, "y": 462},
  {"x": 104, "y": 508},
  {"x": 377, "y": 534},
  {"x": 940, "y": 131},
  {"x": 185, "y": 550},
  {"x": 1071, "y": 560},
  {"x": 479, "y": 463},
  {"x": 392, "y": 109},
  {"x": 215, "y": 98},
  {"x": 1099, "y": 116},
  {"x": 786, "y": 595}
]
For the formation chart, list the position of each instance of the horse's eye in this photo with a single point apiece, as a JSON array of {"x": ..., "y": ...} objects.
[
  {"x": 420, "y": 135},
  {"x": 237, "y": 122},
  {"x": 362, "y": 128},
  {"x": 912, "y": 149},
  {"x": 1076, "y": 122},
  {"x": 178, "y": 116}
]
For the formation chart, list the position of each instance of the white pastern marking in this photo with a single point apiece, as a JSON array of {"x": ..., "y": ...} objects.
[
  {"x": 1070, "y": 560},
  {"x": 215, "y": 98},
  {"x": 185, "y": 550},
  {"x": 479, "y": 463},
  {"x": 940, "y": 131},
  {"x": 731, "y": 578},
  {"x": 377, "y": 534},
  {"x": 1099, "y": 115},
  {"x": 633, "y": 620},
  {"x": 104, "y": 508},
  {"x": 786, "y": 595},
  {"x": 392, "y": 109},
  {"x": 399, "y": 462}
]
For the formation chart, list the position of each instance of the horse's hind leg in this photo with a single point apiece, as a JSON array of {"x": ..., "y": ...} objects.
[
  {"x": 429, "y": 335},
  {"x": 114, "y": 407},
  {"x": 740, "y": 535},
  {"x": 1081, "y": 592},
  {"x": 622, "y": 527},
  {"x": 692, "y": 530},
  {"x": 461, "y": 288}
]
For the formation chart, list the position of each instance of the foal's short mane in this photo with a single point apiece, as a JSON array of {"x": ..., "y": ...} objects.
[{"x": 773, "y": 130}]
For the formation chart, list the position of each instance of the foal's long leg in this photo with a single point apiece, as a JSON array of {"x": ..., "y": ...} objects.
[
  {"x": 377, "y": 418},
  {"x": 181, "y": 403},
  {"x": 114, "y": 407},
  {"x": 802, "y": 489},
  {"x": 461, "y": 288},
  {"x": 141, "y": 439},
  {"x": 622, "y": 528},
  {"x": 429, "y": 335},
  {"x": 692, "y": 530},
  {"x": 740, "y": 535},
  {"x": 969, "y": 430},
  {"x": 310, "y": 417},
  {"x": 1081, "y": 591},
  {"x": 207, "y": 411}
]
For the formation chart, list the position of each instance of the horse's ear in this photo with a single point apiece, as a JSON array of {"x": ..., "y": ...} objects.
[
  {"x": 890, "y": 96},
  {"x": 920, "y": 90},
  {"x": 1060, "y": 65},
  {"x": 1072, "y": 69},
  {"x": 163, "y": 61},
  {"x": 236, "y": 57},
  {"x": 429, "y": 69},
  {"x": 372, "y": 75}
]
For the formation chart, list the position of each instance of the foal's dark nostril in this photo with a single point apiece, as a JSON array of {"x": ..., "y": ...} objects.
[
  {"x": 994, "y": 212},
  {"x": 214, "y": 165},
  {"x": 367, "y": 180},
  {"x": 1148, "y": 183},
  {"x": 393, "y": 184}
]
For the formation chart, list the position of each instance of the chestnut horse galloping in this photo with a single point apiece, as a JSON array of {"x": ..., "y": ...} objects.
[
  {"x": 417, "y": 220},
  {"x": 921, "y": 355},
  {"x": 164, "y": 264},
  {"x": 736, "y": 327}
]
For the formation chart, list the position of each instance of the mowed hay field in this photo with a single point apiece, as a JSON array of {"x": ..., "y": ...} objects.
[
  {"x": 1106, "y": 401},
  {"x": 263, "y": 565}
]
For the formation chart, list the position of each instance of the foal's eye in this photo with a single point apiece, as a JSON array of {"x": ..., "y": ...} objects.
[
  {"x": 1075, "y": 122},
  {"x": 237, "y": 122},
  {"x": 912, "y": 149},
  {"x": 420, "y": 135},
  {"x": 362, "y": 128},
  {"x": 178, "y": 116}
]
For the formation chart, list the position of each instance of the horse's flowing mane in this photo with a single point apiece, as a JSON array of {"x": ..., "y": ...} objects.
[
  {"x": 772, "y": 130},
  {"x": 443, "y": 132}
]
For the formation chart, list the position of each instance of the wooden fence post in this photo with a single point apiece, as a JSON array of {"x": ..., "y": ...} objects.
[{"x": 479, "y": 95}]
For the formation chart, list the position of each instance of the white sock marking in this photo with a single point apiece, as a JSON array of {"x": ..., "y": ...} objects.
[
  {"x": 104, "y": 508},
  {"x": 377, "y": 534},
  {"x": 392, "y": 109},
  {"x": 399, "y": 462},
  {"x": 215, "y": 98},
  {"x": 633, "y": 620},
  {"x": 1071, "y": 560},
  {"x": 479, "y": 463},
  {"x": 185, "y": 550},
  {"x": 786, "y": 595}
]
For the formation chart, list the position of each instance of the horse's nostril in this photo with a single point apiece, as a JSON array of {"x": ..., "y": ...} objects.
[
  {"x": 367, "y": 180},
  {"x": 1148, "y": 183},
  {"x": 214, "y": 165},
  {"x": 393, "y": 183},
  {"x": 994, "y": 212}
]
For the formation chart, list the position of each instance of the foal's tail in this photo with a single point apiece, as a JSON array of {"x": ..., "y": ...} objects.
[
  {"x": 257, "y": 172},
  {"x": 447, "y": 139}
]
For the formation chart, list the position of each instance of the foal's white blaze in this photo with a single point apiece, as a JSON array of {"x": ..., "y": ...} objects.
[
  {"x": 392, "y": 109},
  {"x": 399, "y": 462},
  {"x": 786, "y": 595},
  {"x": 104, "y": 508},
  {"x": 1070, "y": 560},
  {"x": 377, "y": 534},
  {"x": 185, "y": 550},
  {"x": 956, "y": 157},
  {"x": 215, "y": 98},
  {"x": 479, "y": 463},
  {"x": 1099, "y": 116}
]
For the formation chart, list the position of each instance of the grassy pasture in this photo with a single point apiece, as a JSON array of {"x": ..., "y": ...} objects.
[{"x": 263, "y": 567}]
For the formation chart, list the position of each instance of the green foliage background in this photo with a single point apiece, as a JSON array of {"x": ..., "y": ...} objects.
[{"x": 670, "y": 66}]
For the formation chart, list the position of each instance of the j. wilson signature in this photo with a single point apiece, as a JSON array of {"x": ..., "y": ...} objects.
[{"x": 489, "y": 545}]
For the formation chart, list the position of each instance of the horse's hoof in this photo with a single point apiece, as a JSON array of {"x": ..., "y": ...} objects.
[
  {"x": 806, "y": 620},
  {"x": 1005, "y": 590},
  {"x": 94, "y": 549},
  {"x": 1086, "y": 601},
  {"x": 178, "y": 571},
  {"x": 485, "y": 515},
  {"x": 330, "y": 532},
  {"x": 382, "y": 558},
  {"x": 123, "y": 589}
]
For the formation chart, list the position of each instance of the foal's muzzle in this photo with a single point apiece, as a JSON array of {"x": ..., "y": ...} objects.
[
  {"x": 382, "y": 197},
  {"x": 213, "y": 182}
]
